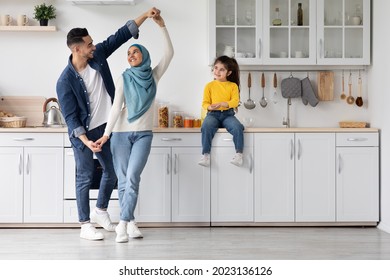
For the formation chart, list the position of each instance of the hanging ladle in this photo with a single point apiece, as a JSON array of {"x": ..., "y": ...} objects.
[
  {"x": 249, "y": 104},
  {"x": 343, "y": 96},
  {"x": 350, "y": 99},
  {"x": 359, "y": 99},
  {"x": 263, "y": 101}
]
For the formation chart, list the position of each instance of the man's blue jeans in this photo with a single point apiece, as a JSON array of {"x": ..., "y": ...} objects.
[{"x": 85, "y": 169}]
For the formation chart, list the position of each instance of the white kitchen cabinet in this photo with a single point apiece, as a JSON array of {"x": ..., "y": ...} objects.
[
  {"x": 331, "y": 33},
  {"x": 35, "y": 176},
  {"x": 343, "y": 32},
  {"x": 231, "y": 186},
  {"x": 357, "y": 177},
  {"x": 235, "y": 28},
  {"x": 174, "y": 188},
  {"x": 289, "y": 43},
  {"x": 274, "y": 177},
  {"x": 315, "y": 177}
]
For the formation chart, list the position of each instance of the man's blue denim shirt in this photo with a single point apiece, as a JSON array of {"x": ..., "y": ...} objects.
[{"x": 71, "y": 91}]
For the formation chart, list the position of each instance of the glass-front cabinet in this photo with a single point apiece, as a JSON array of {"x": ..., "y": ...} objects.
[
  {"x": 236, "y": 30},
  {"x": 343, "y": 32},
  {"x": 289, "y": 32}
]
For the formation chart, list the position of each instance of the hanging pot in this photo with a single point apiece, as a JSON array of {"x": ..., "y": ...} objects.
[{"x": 52, "y": 117}]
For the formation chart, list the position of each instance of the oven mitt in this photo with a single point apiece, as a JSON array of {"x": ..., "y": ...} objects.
[
  {"x": 308, "y": 94},
  {"x": 291, "y": 87}
]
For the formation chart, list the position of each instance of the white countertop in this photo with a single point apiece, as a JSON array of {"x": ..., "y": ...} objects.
[{"x": 194, "y": 130}]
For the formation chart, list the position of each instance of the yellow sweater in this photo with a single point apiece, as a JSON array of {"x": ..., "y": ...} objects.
[{"x": 216, "y": 92}]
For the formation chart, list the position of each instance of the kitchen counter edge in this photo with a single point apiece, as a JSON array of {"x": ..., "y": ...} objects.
[{"x": 195, "y": 130}]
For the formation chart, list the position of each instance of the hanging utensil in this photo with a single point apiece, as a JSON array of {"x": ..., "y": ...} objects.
[
  {"x": 263, "y": 101},
  {"x": 342, "y": 96},
  {"x": 359, "y": 99},
  {"x": 249, "y": 104},
  {"x": 274, "y": 96},
  {"x": 350, "y": 98}
]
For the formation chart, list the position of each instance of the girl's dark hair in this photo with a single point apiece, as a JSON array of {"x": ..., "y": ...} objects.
[
  {"x": 75, "y": 36},
  {"x": 231, "y": 65}
]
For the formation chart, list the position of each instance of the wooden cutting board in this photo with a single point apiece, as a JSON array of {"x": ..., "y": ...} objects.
[
  {"x": 325, "y": 81},
  {"x": 24, "y": 106}
]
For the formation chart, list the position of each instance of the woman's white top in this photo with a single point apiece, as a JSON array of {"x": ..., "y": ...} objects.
[{"x": 117, "y": 120}]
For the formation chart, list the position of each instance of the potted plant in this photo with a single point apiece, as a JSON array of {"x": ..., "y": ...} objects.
[{"x": 43, "y": 13}]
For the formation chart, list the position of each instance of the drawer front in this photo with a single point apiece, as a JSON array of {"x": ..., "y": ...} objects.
[
  {"x": 357, "y": 139},
  {"x": 225, "y": 139},
  {"x": 67, "y": 142},
  {"x": 177, "y": 140},
  {"x": 32, "y": 139}
]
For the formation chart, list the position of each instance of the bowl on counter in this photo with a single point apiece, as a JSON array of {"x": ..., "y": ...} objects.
[{"x": 248, "y": 122}]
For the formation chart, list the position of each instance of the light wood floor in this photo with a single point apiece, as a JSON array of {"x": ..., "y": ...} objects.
[{"x": 216, "y": 243}]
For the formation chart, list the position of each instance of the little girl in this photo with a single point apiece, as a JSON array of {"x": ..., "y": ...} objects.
[{"x": 220, "y": 98}]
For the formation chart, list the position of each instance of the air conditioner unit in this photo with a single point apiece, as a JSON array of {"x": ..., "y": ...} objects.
[{"x": 103, "y": 2}]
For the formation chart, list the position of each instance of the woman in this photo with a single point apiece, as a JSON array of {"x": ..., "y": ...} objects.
[{"x": 131, "y": 123}]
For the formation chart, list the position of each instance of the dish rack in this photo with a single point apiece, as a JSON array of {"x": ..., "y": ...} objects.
[{"x": 13, "y": 122}]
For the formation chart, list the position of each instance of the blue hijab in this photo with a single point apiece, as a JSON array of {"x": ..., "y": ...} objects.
[{"x": 139, "y": 86}]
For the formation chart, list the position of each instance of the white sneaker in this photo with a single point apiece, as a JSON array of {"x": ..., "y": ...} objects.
[
  {"x": 205, "y": 160},
  {"x": 102, "y": 219},
  {"x": 121, "y": 233},
  {"x": 133, "y": 231},
  {"x": 88, "y": 231},
  {"x": 237, "y": 159}
]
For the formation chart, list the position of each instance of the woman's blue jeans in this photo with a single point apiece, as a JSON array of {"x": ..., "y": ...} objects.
[
  {"x": 130, "y": 151},
  {"x": 85, "y": 168},
  {"x": 219, "y": 119}
]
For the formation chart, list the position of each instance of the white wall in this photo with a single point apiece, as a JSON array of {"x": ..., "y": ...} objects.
[
  {"x": 30, "y": 62},
  {"x": 380, "y": 96}
]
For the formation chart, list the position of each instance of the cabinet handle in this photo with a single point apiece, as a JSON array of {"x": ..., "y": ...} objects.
[
  {"x": 175, "y": 165},
  {"x": 170, "y": 139},
  {"x": 28, "y": 164},
  {"x": 357, "y": 139},
  {"x": 250, "y": 163},
  {"x": 24, "y": 139},
  {"x": 228, "y": 139},
  {"x": 291, "y": 149},
  {"x": 168, "y": 160},
  {"x": 339, "y": 163},
  {"x": 20, "y": 164},
  {"x": 260, "y": 50},
  {"x": 321, "y": 49},
  {"x": 299, "y": 149}
]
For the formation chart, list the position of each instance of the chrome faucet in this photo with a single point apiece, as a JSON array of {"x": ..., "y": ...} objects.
[{"x": 286, "y": 121}]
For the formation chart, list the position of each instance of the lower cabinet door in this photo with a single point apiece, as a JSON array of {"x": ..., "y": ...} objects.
[
  {"x": 357, "y": 182},
  {"x": 231, "y": 186},
  {"x": 190, "y": 186},
  {"x": 43, "y": 185},
  {"x": 11, "y": 185},
  {"x": 154, "y": 199}
]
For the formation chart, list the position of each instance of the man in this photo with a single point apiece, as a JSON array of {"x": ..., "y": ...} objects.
[{"x": 85, "y": 93}]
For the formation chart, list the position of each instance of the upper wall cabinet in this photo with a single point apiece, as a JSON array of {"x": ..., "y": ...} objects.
[
  {"x": 343, "y": 32},
  {"x": 236, "y": 30},
  {"x": 291, "y": 32}
]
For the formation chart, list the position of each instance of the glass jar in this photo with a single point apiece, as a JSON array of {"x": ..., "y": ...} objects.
[
  {"x": 197, "y": 122},
  {"x": 163, "y": 114},
  {"x": 177, "y": 120},
  {"x": 188, "y": 122}
]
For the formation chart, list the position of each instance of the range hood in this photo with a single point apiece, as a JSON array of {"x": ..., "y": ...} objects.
[{"x": 103, "y": 2}]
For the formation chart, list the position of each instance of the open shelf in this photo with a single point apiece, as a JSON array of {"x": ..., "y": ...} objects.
[{"x": 28, "y": 28}]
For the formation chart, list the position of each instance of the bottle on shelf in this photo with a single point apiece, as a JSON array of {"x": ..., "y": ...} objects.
[
  {"x": 300, "y": 15},
  {"x": 277, "y": 21}
]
